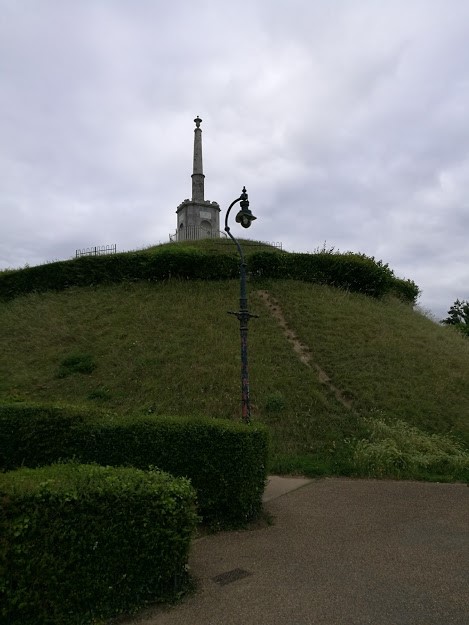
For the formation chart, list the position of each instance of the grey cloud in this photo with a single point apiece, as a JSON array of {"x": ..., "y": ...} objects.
[{"x": 345, "y": 120}]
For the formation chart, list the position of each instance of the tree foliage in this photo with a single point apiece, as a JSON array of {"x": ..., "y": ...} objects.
[{"x": 458, "y": 316}]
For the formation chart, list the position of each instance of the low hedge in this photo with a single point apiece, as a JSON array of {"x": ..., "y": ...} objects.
[
  {"x": 225, "y": 461},
  {"x": 115, "y": 268},
  {"x": 80, "y": 542},
  {"x": 353, "y": 272}
]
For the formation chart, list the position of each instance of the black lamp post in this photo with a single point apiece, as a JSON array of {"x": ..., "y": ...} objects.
[{"x": 245, "y": 218}]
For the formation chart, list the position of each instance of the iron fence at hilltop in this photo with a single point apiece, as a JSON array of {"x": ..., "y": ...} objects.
[{"x": 97, "y": 250}]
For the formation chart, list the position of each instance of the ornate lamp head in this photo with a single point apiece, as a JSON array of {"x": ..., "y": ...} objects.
[{"x": 244, "y": 217}]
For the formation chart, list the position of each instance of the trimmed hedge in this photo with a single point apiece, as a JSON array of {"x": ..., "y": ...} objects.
[
  {"x": 225, "y": 461},
  {"x": 115, "y": 268},
  {"x": 81, "y": 542},
  {"x": 353, "y": 272}
]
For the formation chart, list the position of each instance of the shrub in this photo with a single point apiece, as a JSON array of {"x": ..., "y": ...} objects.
[
  {"x": 225, "y": 461},
  {"x": 81, "y": 542},
  {"x": 406, "y": 290}
]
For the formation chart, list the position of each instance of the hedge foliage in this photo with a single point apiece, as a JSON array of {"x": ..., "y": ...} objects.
[
  {"x": 129, "y": 266},
  {"x": 353, "y": 272},
  {"x": 225, "y": 461},
  {"x": 80, "y": 542}
]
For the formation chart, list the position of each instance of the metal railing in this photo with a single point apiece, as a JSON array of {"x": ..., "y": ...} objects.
[
  {"x": 97, "y": 250},
  {"x": 220, "y": 237},
  {"x": 195, "y": 233}
]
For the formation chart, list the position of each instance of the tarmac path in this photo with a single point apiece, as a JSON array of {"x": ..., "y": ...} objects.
[{"x": 339, "y": 552}]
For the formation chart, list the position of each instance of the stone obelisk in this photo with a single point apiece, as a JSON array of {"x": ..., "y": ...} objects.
[
  {"x": 198, "y": 169},
  {"x": 197, "y": 218}
]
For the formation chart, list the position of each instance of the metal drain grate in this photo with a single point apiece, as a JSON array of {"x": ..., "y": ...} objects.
[{"x": 230, "y": 576}]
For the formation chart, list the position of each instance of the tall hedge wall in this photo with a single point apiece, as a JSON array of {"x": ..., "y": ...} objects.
[
  {"x": 354, "y": 272},
  {"x": 225, "y": 461},
  {"x": 80, "y": 542}
]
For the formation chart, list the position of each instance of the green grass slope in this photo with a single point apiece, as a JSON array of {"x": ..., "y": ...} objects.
[
  {"x": 222, "y": 245},
  {"x": 347, "y": 384}
]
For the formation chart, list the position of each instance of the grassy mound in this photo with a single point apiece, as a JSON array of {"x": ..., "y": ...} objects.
[{"x": 170, "y": 348}]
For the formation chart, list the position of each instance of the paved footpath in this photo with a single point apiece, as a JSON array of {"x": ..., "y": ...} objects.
[{"x": 339, "y": 552}]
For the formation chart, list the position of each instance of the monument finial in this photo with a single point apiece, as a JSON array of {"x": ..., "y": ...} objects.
[{"x": 198, "y": 121}]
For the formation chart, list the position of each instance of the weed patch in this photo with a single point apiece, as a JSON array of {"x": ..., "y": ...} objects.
[
  {"x": 100, "y": 394},
  {"x": 275, "y": 402},
  {"x": 396, "y": 449},
  {"x": 76, "y": 363}
]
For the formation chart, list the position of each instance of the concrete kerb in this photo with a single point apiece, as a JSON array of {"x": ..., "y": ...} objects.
[{"x": 278, "y": 485}]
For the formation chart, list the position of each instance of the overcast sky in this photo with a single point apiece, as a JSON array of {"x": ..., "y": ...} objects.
[{"x": 347, "y": 120}]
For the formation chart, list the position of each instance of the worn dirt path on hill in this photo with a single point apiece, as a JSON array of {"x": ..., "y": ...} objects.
[{"x": 301, "y": 349}]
